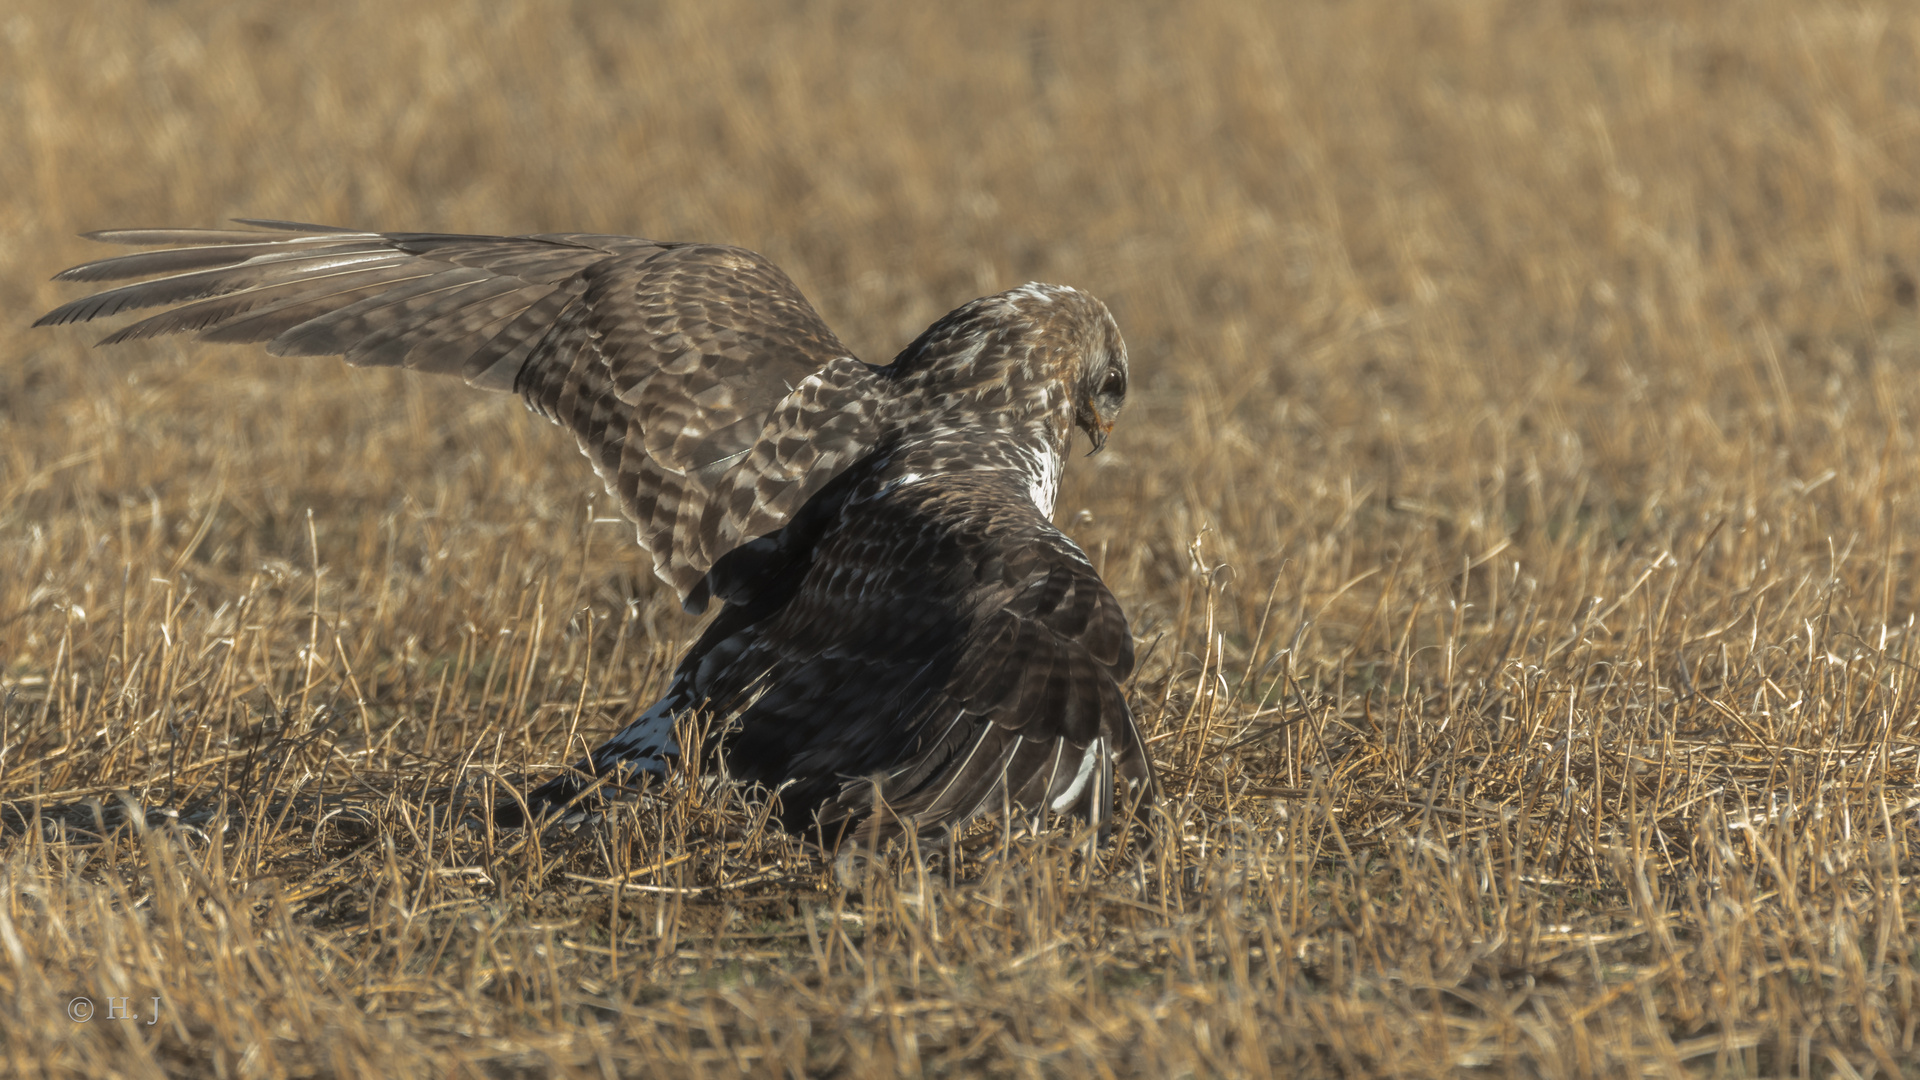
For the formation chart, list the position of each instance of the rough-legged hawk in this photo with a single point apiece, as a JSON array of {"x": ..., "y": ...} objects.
[{"x": 901, "y": 624}]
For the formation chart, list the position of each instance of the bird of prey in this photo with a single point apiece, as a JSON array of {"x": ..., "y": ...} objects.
[{"x": 904, "y": 642}]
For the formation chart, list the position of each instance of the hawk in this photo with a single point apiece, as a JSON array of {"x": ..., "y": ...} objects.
[{"x": 900, "y": 626}]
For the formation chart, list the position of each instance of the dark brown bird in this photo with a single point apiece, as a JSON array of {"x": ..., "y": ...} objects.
[{"x": 901, "y": 624}]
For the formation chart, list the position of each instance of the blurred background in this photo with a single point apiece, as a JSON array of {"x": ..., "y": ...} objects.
[
  {"x": 1473, "y": 266},
  {"x": 1465, "y": 258},
  {"x": 1405, "y": 286}
]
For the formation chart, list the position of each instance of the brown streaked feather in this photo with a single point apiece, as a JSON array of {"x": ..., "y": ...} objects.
[
  {"x": 902, "y": 623},
  {"x": 214, "y": 318},
  {"x": 675, "y": 365},
  {"x": 943, "y": 643},
  {"x": 334, "y": 323},
  {"x": 220, "y": 280},
  {"x": 192, "y": 249}
]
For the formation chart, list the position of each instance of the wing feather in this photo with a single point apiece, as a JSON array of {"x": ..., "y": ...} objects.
[
  {"x": 707, "y": 391},
  {"x": 945, "y": 642},
  {"x": 199, "y": 284}
]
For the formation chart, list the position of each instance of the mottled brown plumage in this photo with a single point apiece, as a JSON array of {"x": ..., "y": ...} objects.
[{"x": 901, "y": 621}]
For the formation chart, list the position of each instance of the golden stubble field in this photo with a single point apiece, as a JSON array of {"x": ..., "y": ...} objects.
[{"x": 1516, "y": 509}]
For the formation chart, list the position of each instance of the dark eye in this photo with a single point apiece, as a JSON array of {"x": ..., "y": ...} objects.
[{"x": 1116, "y": 383}]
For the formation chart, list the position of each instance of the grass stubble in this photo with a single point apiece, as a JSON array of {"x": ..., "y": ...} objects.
[{"x": 1514, "y": 509}]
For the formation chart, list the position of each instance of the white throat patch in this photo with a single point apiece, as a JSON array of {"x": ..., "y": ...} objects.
[{"x": 1045, "y": 485}]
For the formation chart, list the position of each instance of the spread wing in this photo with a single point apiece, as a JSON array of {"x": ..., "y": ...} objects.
[
  {"x": 948, "y": 650},
  {"x": 710, "y": 396}
]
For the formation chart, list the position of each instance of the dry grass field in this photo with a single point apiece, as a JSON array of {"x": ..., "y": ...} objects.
[{"x": 1518, "y": 509}]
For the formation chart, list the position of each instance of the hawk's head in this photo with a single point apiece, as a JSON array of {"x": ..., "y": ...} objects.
[
  {"x": 1087, "y": 352},
  {"x": 1079, "y": 336},
  {"x": 1101, "y": 387},
  {"x": 1046, "y": 352}
]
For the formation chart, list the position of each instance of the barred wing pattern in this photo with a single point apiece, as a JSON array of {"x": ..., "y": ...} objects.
[
  {"x": 671, "y": 363},
  {"x": 902, "y": 630},
  {"x": 939, "y": 652},
  {"x": 955, "y": 606}
]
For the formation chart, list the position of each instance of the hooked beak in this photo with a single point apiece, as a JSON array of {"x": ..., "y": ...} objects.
[{"x": 1097, "y": 433}]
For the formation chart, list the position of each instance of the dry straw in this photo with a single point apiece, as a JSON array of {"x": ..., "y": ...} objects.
[{"x": 1514, "y": 511}]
